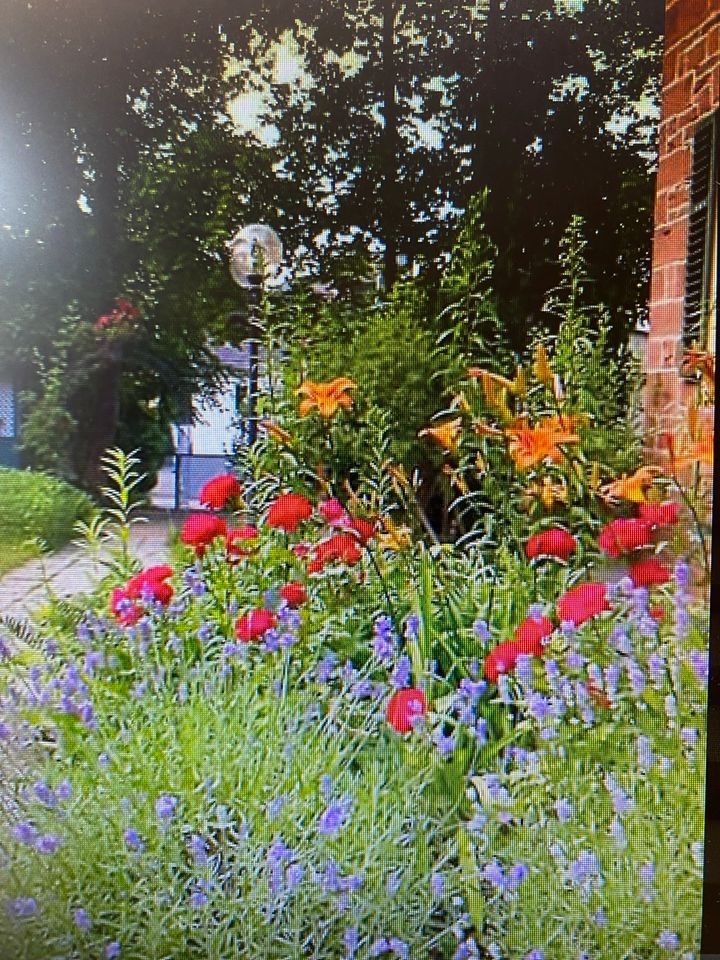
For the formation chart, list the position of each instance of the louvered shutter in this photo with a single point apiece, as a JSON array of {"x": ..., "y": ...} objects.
[{"x": 702, "y": 234}]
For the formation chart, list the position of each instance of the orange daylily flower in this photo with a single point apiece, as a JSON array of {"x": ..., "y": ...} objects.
[
  {"x": 700, "y": 361},
  {"x": 275, "y": 431},
  {"x": 395, "y": 538},
  {"x": 548, "y": 492},
  {"x": 327, "y": 398},
  {"x": 482, "y": 429},
  {"x": 448, "y": 434},
  {"x": 529, "y": 446},
  {"x": 633, "y": 487},
  {"x": 699, "y": 451}
]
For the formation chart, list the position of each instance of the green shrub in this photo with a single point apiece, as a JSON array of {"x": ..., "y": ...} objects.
[{"x": 35, "y": 505}]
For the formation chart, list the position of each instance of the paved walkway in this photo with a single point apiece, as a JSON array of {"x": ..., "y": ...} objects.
[{"x": 71, "y": 570}]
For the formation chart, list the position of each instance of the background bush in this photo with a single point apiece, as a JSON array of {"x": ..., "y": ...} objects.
[{"x": 37, "y": 505}]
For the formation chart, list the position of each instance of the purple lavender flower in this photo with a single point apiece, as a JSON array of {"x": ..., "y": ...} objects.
[
  {"x": 636, "y": 678},
  {"x": 472, "y": 689},
  {"x": 64, "y": 790},
  {"x": 682, "y": 574},
  {"x": 94, "y": 660},
  {"x": 25, "y": 832},
  {"x": 394, "y": 882},
  {"x": 165, "y": 806},
  {"x": 384, "y": 641},
  {"x": 351, "y": 941},
  {"x": 516, "y": 875},
  {"x": 563, "y": 810},
  {"x": 198, "y": 850},
  {"x": 412, "y": 627},
  {"x": 689, "y": 736},
  {"x": 278, "y": 852},
  {"x": 112, "y": 950},
  {"x": 399, "y": 948},
  {"x": 645, "y": 753},
  {"x": 482, "y": 731},
  {"x": 539, "y": 707},
  {"x": 294, "y": 876},
  {"x": 574, "y": 660},
  {"x": 81, "y": 919},
  {"x": 334, "y": 817},
  {"x": 493, "y": 872},
  {"x": 44, "y": 794},
  {"x": 445, "y": 743},
  {"x": 698, "y": 660},
  {"x": 481, "y": 630},
  {"x": 23, "y": 906},
  {"x": 668, "y": 940},
  {"x": 535, "y": 954},
  {"x": 380, "y": 946},
  {"x": 437, "y": 885},
  {"x": 524, "y": 668},
  {"x": 48, "y": 844},
  {"x": 400, "y": 677},
  {"x": 198, "y": 899},
  {"x": 132, "y": 839}
]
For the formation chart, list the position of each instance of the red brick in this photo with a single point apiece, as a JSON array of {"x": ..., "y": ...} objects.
[
  {"x": 674, "y": 168},
  {"x": 669, "y": 245},
  {"x": 682, "y": 18},
  {"x": 666, "y": 318},
  {"x": 693, "y": 57},
  {"x": 676, "y": 96}
]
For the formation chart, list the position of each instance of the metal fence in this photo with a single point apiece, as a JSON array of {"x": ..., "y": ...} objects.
[{"x": 182, "y": 476}]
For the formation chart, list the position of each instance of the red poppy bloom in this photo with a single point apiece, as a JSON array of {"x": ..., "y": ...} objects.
[
  {"x": 660, "y": 514},
  {"x": 333, "y": 512},
  {"x": 341, "y": 546},
  {"x": 624, "y": 535},
  {"x": 240, "y": 535},
  {"x": 648, "y": 573},
  {"x": 315, "y": 566},
  {"x": 555, "y": 542},
  {"x": 405, "y": 708},
  {"x": 216, "y": 492},
  {"x": 657, "y": 613},
  {"x": 254, "y": 624},
  {"x": 502, "y": 659},
  {"x": 152, "y": 582},
  {"x": 364, "y": 530},
  {"x": 288, "y": 511},
  {"x": 200, "y": 529},
  {"x": 531, "y": 633},
  {"x": 582, "y": 602},
  {"x": 123, "y": 609},
  {"x": 294, "y": 593}
]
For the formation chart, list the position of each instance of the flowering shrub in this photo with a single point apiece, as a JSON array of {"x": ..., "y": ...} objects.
[{"x": 312, "y": 737}]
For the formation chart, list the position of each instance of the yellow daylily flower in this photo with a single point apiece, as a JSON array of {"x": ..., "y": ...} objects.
[{"x": 327, "y": 398}]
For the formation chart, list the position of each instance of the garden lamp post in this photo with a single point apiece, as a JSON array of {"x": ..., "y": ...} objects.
[{"x": 255, "y": 262}]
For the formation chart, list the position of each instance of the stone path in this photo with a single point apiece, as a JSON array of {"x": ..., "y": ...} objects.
[{"x": 71, "y": 571}]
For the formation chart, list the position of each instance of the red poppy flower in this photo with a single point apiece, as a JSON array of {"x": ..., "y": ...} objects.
[
  {"x": 216, "y": 492},
  {"x": 624, "y": 535},
  {"x": 315, "y": 566},
  {"x": 341, "y": 546},
  {"x": 200, "y": 529},
  {"x": 531, "y": 633},
  {"x": 555, "y": 542},
  {"x": 288, "y": 511},
  {"x": 240, "y": 535},
  {"x": 657, "y": 613},
  {"x": 294, "y": 594},
  {"x": 660, "y": 514},
  {"x": 123, "y": 609},
  {"x": 333, "y": 512},
  {"x": 152, "y": 582},
  {"x": 648, "y": 573},
  {"x": 405, "y": 708},
  {"x": 582, "y": 602},
  {"x": 254, "y": 624},
  {"x": 364, "y": 530},
  {"x": 502, "y": 659}
]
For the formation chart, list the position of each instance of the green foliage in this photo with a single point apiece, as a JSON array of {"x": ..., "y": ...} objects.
[
  {"x": 37, "y": 506},
  {"x": 598, "y": 378}
]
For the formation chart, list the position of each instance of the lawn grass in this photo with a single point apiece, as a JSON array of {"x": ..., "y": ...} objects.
[{"x": 14, "y": 554}]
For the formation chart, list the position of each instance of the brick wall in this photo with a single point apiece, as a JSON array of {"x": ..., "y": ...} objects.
[{"x": 691, "y": 90}]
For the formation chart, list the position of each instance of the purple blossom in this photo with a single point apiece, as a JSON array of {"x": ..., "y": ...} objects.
[
  {"x": 394, "y": 882},
  {"x": 198, "y": 850},
  {"x": 493, "y": 872},
  {"x": 472, "y": 689},
  {"x": 682, "y": 574},
  {"x": 535, "y": 954},
  {"x": 636, "y": 678},
  {"x": 482, "y": 732},
  {"x": 437, "y": 884},
  {"x": 26, "y": 833},
  {"x": 326, "y": 785},
  {"x": 44, "y": 794},
  {"x": 64, "y": 790},
  {"x": 574, "y": 660},
  {"x": 23, "y": 906},
  {"x": 563, "y": 810},
  {"x": 275, "y": 807},
  {"x": 132, "y": 839},
  {"x": 334, "y": 817},
  {"x": 48, "y": 844},
  {"x": 445, "y": 743},
  {"x": 584, "y": 869},
  {"x": 400, "y": 677},
  {"x": 524, "y": 668},
  {"x": 294, "y": 876},
  {"x": 645, "y": 753},
  {"x": 384, "y": 640},
  {"x": 326, "y": 668},
  {"x": 351, "y": 941},
  {"x": 278, "y": 852},
  {"x": 539, "y": 707},
  {"x": 112, "y": 950},
  {"x": 698, "y": 660},
  {"x": 412, "y": 627},
  {"x": 668, "y": 940},
  {"x": 689, "y": 736},
  {"x": 81, "y": 919},
  {"x": 165, "y": 806},
  {"x": 516, "y": 875},
  {"x": 198, "y": 899},
  {"x": 481, "y": 630}
]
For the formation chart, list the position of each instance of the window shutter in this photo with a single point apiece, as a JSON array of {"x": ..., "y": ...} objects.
[{"x": 701, "y": 232}]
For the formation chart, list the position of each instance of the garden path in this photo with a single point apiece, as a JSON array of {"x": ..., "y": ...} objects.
[{"x": 71, "y": 571}]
